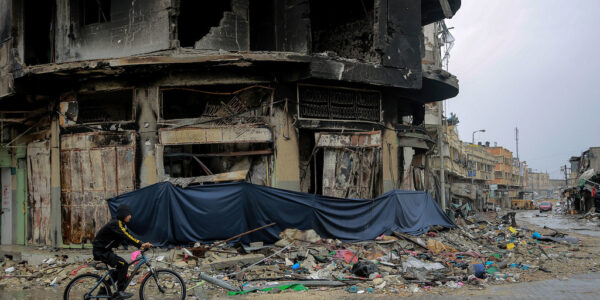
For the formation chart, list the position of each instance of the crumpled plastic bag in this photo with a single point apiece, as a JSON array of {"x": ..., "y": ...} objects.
[{"x": 412, "y": 262}]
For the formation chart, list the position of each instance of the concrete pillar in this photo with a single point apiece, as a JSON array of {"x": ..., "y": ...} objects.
[
  {"x": 7, "y": 207},
  {"x": 390, "y": 159},
  {"x": 55, "y": 201},
  {"x": 287, "y": 157},
  {"x": 147, "y": 113}
]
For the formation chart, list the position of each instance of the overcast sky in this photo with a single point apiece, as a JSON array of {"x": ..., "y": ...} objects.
[{"x": 531, "y": 64}]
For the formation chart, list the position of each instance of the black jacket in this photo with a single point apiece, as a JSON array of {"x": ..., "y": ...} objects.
[{"x": 112, "y": 235}]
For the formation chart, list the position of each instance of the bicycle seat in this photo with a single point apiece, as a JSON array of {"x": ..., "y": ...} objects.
[{"x": 98, "y": 265}]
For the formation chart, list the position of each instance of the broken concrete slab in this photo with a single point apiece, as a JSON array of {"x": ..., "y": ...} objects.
[{"x": 236, "y": 260}]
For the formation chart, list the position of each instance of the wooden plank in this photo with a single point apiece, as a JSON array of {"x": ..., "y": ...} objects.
[
  {"x": 224, "y": 154},
  {"x": 221, "y": 177},
  {"x": 224, "y": 135},
  {"x": 38, "y": 168}
]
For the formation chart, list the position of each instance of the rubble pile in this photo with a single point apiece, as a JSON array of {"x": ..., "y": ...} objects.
[{"x": 483, "y": 250}]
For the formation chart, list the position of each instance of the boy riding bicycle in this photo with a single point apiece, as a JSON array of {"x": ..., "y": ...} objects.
[{"x": 110, "y": 236}]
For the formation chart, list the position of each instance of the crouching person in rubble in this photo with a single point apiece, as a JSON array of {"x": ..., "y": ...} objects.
[{"x": 110, "y": 236}]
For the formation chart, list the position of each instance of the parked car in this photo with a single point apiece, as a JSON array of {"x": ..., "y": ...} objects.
[{"x": 545, "y": 206}]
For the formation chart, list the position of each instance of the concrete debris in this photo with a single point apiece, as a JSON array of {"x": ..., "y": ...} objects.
[
  {"x": 223, "y": 263},
  {"x": 475, "y": 254}
]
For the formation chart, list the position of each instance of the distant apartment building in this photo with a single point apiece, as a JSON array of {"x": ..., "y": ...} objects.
[
  {"x": 540, "y": 184},
  {"x": 507, "y": 176},
  {"x": 468, "y": 168}
]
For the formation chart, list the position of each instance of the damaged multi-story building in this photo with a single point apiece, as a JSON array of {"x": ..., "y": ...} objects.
[{"x": 101, "y": 97}]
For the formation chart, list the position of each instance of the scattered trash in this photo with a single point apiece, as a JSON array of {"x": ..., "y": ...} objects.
[
  {"x": 364, "y": 269},
  {"x": 412, "y": 262},
  {"x": 475, "y": 253},
  {"x": 479, "y": 270}
]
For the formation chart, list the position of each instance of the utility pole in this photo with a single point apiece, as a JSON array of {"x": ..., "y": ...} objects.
[
  {"x": 519, "y": 160},
  {"x": 473, "y": 168},
  {"x": 517, "y": 139},
  {"x": 566, "y": 178},
  {"x": 438, "y": 62},
  {"x": 441, "y": 154}
]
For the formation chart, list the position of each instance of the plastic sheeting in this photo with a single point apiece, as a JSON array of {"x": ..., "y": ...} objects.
[{"x": 167, "y": 215}]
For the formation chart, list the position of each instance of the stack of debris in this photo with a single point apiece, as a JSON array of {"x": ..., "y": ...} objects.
[{"x": 483, "y": 251}]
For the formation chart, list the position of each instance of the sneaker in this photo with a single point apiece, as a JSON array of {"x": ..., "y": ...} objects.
[{"x": 123, "y": 295}]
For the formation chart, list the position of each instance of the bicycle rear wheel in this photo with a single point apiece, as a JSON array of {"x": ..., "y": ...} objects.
[
  {"x": 171, "y": 284},
  {"x": 83, "y": 285}
]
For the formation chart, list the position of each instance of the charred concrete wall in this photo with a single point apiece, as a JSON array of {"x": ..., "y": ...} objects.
[
  {"x": 289, "y": 94},
  {"x": 6, "y": 57},
  {"x": 126, "y": 28}
]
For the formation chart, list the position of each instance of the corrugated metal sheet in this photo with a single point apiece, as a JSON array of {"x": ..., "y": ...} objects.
[
  {"x": 38, "y": 175},
  {"x": 94, "y": 167}
]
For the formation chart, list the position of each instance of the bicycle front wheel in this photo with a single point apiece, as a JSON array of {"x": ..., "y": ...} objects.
[
  {"x": 86, "y": 286},
  {"x": 167, "y": 285}
]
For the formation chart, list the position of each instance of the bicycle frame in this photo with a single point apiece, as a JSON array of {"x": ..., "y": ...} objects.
[{"x": 138, "y": 262}]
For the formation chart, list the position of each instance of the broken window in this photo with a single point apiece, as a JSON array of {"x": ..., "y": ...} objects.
[
  {"x": 223, "y": 104},
  {"x": 262, "y": 25},
  {"x": 341, "y": 165},
  {"x": 105, "y": 106},
  {"x": 95, "y": 11},
  {"x": 39, "y": 32},
  {"x": 197, "y": 17},
  {"x": 318, "y": 102},
  {"x": 203, "y": 163},
  {"x": 349, "y": 34}
]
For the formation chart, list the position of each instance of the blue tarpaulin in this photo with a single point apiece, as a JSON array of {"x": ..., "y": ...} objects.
[{"x": 168, "y": 215}]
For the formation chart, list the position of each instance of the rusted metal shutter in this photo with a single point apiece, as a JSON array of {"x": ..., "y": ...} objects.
[
  {"x": 94, "y": 167},
  {"x": 38, "y": 175},
  {"x": 350, "y": 163}
]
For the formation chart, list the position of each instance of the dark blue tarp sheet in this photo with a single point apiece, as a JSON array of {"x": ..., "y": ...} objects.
[{"x": 168, "y": 215}]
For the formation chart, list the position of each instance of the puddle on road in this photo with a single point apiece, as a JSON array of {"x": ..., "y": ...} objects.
[{"x": 564, "y": 222}]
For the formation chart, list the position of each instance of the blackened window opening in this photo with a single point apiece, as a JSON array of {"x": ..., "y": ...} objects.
[
  {"x": 105, "y": 106},
  {"x": 197, "y": 17},
  {"x": 217, "y": 102},
  {"x": 182, "y": 104},
  {"x": 345, "y": 27},
  {"x": 191, "y": 160},
  {"x": 262, "y": 25},
  {"x": 39, "y": 32},
  {"x": 95, "y": 11}
]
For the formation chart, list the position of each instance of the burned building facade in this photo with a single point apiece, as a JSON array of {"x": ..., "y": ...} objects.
[{"x": 101, "y": 97}]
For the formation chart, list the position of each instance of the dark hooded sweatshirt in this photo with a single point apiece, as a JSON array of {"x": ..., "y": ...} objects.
[{"x": 115, "y": 232}]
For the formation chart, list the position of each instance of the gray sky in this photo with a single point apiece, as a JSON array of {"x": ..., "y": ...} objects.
[{"x": 530, "y": 64}]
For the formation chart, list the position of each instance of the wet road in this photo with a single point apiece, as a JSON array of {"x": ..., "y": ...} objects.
[
  {"x": 560, "y": 222},
  {"x": 583, "y": 286}
]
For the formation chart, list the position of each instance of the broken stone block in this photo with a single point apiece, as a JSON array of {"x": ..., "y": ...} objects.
[
  {"x": 235, "y": 260},
  {"x": 181, "y": 263},
  {"x": 257, "y": 244}
]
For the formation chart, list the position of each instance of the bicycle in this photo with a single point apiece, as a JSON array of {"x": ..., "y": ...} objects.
[{"x": 156, "y": 284}]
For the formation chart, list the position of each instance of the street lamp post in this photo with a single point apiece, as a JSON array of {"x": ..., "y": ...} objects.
[{"x": 473, "y": 170}]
